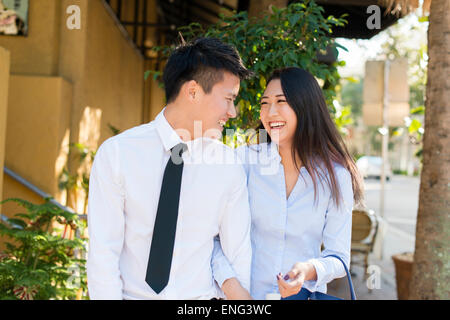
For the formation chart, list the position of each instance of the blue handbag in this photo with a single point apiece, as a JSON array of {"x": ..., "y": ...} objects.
[{"x": 305, "y": 294}]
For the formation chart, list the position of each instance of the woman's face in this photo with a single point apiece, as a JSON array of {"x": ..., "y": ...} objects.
[{"x": 277, "y": 116}]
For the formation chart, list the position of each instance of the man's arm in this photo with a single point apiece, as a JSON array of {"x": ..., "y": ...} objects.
[
  {"x": 105, "y": 225},
  {"x": 234, "y": 234},
  {"x": 225, "y": 276}
]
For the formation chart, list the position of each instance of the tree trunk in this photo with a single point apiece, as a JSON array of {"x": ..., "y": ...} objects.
[{"x": 431, "y": 268}]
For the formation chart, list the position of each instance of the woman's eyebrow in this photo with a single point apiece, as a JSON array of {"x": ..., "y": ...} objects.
[{"x": 278, "y": 95}]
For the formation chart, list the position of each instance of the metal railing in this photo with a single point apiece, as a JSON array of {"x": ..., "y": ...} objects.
[
  {"x": 39, "y": 192},
  {"x": 44, "y": 195}
]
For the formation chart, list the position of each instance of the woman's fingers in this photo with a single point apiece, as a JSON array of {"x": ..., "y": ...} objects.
[
  {"x": 296, "y": 276},
  {"x": 289, "y": 288},
  {"x": 284, "y": 290},
  {"x": 295, "y": 284},
  {"x": 291, "y": 275}
]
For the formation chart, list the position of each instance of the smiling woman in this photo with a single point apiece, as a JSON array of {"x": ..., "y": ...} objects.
[
  {"x": 294, "y": 113},
  {"x": 276, "y": 115},
  {"x": 305, "y": 201}
]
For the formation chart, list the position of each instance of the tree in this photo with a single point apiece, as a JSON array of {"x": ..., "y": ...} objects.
[{"x": 431, "y": 267}]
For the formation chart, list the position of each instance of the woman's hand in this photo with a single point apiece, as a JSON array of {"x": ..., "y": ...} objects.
[{"x": 300, "y": 272}]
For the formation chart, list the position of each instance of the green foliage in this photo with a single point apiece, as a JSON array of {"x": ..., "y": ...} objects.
[
  {"x": 352, "y": 95},
  {"x": 343, "y": 117},
  {"x": 292, "y": 36},
  {"x": 414, "y": 126},
  {"x": 72, "y": 182},
  {"x": 401, "y": 44},
  {"x": 39, "y": 263},
  {"x": 418, "y": 110}
]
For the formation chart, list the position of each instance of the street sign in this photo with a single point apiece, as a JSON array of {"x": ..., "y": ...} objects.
[{"x": 398, "y": 92}]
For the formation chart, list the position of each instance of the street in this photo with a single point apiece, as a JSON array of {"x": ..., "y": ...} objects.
[{"x": 401, "y": 204}]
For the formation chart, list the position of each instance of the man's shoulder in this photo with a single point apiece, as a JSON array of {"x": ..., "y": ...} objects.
[
  {"x": 217, "y": 145},
  {"x": 146, "y": 130},
  {"x": 218, "y": 153},
  {"x": 213, "y": 148},
  {"x": 139, "y": 131}
]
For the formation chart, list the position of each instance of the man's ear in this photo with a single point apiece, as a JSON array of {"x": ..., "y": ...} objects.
[{"x": 191, "y": 90}]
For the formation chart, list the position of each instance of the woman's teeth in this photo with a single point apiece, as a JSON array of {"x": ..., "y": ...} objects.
[{"x": 276, "y": 125}]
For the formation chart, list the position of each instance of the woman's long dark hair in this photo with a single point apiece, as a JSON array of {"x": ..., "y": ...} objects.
[{"x": 316, "y": 142}]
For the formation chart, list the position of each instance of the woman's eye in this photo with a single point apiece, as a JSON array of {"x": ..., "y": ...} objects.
[
  {"x": 263, "y": 103},
  {"x": 281, "y": 101}
]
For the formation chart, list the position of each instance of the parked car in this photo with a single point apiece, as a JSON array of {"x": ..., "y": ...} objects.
[{"x": 370, "y": 167}]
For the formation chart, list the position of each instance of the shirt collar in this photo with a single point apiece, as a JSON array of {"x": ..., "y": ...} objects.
[
  {"x": 274, "y": 153},
  {"x": 168, "y": 135},
  {"x": 268, "y": 151}
]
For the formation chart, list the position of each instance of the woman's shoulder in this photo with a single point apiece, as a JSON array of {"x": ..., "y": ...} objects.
[{"x": 341, "y": 172}]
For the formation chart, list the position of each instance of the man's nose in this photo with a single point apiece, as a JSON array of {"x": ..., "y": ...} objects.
[{"x": 232, "y": 111}]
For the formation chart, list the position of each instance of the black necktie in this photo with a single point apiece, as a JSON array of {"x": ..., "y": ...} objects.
[{"x": 160, "y": 259}]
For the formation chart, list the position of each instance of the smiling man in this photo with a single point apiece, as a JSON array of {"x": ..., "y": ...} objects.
[{"x": 153, "y": 209}]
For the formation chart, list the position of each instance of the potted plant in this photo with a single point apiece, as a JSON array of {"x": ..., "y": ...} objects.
[{"x": 403, "y": 270}]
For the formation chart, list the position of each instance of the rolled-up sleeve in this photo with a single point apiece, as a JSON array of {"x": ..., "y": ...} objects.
[
  {"x": 105, "y": 225},
  {"x": 222, "y": 270},
  {"x": 336, "y": 234},
  {"x": 234, "y": 233}
]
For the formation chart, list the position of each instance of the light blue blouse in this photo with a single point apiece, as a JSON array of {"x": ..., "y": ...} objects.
[{"x": 286, "y": 231}]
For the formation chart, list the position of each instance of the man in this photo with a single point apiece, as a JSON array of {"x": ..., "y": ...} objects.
[{"x": 158, "y": 196}]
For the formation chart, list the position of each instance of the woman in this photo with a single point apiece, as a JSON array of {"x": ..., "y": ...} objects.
[{"x": 302, "y": 185}]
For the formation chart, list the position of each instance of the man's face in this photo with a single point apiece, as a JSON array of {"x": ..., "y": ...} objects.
[{"x": 215, "y": 108}]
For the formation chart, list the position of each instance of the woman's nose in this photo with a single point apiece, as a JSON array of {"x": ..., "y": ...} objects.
[{"x": 273, "y": 110}]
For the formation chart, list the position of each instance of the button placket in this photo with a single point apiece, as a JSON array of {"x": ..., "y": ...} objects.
[{"x": 282, "y": 221}]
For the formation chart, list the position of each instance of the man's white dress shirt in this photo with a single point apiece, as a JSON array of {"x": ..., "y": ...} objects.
[{"x": 124, "y": 190}]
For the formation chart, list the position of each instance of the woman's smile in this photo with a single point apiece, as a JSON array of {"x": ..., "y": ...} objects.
[{"x": 277, "y": 125}]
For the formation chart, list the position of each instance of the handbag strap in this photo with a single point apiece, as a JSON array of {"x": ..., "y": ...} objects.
[{"x": 349, "y": 278}]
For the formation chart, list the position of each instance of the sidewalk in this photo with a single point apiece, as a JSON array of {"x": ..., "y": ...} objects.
[
  {"x": 387, "y": 288},
  {"x": 397, "y": 232}
]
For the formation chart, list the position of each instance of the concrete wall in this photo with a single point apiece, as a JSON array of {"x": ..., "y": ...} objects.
[
  {"x": 4, "y": 85},
  {"x": 38, "y": 131},
  {"x": 107, "y": 73},
  {"x": 67, "y": 86},
  {"x": 38, "y": 52}
]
